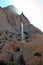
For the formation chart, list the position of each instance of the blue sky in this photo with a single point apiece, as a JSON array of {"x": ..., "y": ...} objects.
[
  {"x": 40, "y": 1},
  {"x": 4, "y": 3}
]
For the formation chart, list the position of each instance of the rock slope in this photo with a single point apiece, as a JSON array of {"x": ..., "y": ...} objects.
[
  {"x": 9, "y": 20},
  {"x": 11, "y": 39},
  {"x": 33, "y": 52}
]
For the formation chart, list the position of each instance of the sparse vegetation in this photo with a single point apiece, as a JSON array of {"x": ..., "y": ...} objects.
[
  {"x": 37, "y": 54},
  {"x": 11, "y": 36},
  {"x": 1, "y": 47},
  {"x": 0, "y": 51},
  {"x": 25, "y": 33},
  {"x": 13, "y": 63},
  {"x": 0, "y": 41}
]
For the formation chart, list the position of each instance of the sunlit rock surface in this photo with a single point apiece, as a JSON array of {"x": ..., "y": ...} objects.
[{"x": 33, "y": 52}]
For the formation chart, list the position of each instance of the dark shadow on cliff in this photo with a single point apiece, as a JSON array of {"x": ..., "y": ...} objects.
[{"x": 2, "y": 63}]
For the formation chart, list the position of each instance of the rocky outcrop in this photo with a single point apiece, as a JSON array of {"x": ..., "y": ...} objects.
[
  {"x": 9, "y": 46},
  {"x": 11, "y": 49},
  {"x": 33, "y": 52},
  {"x": 10, "y": 37},
  {"x": 9, "y": 20},
  {"x": 3, "y": 21}
]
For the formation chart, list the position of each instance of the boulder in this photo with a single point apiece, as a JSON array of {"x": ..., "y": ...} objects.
[{"x": 33, "y": 51}]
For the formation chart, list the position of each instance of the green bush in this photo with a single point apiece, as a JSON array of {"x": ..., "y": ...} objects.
[
  {"x": 12, "y": 63},
  {"x": 25, "y": 33}
]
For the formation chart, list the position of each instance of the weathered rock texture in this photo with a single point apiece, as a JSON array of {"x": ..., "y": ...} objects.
[
  {"x": 10, "y": 36},
  {"x": 33, "y": 52},
  {"x": 9, "y": 20}
]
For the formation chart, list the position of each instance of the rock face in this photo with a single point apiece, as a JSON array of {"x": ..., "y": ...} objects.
[
  {"x": 9, "y": 20},
  {"x": 33, "y": 52},
  {"x": 3, "y": 21},
  {"x": 8, "y": 46},
  {"x": 10, "y": 36}
]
